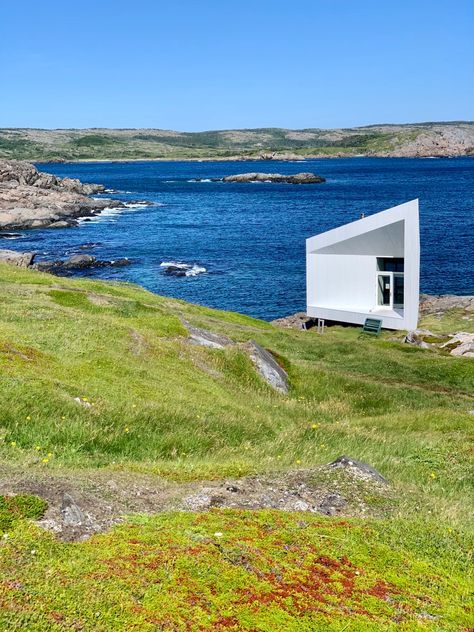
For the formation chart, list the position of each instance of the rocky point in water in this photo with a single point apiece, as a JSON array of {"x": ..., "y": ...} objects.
[
  {"x": 297, "y": 178},
  {"x": 33, "y": 199}
]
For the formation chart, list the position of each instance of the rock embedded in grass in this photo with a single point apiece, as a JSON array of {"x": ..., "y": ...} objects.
[
  {"x": 206, "y": 338},
  {"x": 268, "y": 367},
  {"x": 358, "y": 468}
]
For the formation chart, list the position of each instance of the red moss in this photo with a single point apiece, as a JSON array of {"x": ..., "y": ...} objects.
[{"x": 381, "y": 589}]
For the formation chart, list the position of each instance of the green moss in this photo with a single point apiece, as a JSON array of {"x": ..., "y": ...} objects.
[
  {"x": 20, "y": 507},
  {"x": 240, "y": 570}
]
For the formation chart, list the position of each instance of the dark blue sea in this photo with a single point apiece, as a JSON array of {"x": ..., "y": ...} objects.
[{"x": 250, "y": 238}]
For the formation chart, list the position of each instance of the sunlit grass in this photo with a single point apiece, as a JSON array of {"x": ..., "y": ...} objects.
[{"x": 102, "y": 375}]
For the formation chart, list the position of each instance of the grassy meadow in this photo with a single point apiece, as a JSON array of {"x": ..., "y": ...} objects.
[{"x": 101, "y": 377}]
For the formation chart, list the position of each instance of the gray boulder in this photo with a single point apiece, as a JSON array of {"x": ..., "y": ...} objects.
[
  {"x": 71, "y": 513},
  {"x": 358, "y": 468},
  {"x": 77, "y": 262},
  {"x": 206, "y": 338},
  {"x": 19, "y": 259},
  {"x": 268, "y": 367}
]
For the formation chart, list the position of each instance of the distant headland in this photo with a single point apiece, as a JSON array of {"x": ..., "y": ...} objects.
[{"x": 412, "y": 140}]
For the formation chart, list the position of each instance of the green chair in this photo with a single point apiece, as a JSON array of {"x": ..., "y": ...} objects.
[{"x": 371, "y": 326}]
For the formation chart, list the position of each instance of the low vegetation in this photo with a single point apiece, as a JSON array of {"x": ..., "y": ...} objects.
[
  {"x": 101, "y": 378},
  {"x": 134, "y": 144},
  {"x": 238, "y": 570}
]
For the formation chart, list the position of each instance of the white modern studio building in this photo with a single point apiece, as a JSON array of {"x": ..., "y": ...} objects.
[{"x": 369, "y": 268}]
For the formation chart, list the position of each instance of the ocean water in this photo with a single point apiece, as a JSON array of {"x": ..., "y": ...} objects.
[{"x": 243, "y": 245}]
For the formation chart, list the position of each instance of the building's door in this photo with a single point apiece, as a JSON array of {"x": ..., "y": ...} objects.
[
  {"x": 384, "y": 290},
  {"x": 390, "y": 290}
]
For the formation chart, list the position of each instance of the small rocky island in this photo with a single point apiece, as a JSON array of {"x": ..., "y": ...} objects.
[
  {"x": 297, "y": 178},
  {"x": 32, "y": 199}
]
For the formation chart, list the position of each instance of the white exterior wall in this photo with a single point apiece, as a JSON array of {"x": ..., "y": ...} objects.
[
  {"x": 341, "y": 282},
  {"x": 341, "y": 267}
]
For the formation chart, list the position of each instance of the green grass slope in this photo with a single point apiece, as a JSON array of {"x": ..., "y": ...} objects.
[{"x": 102, "y": 377}]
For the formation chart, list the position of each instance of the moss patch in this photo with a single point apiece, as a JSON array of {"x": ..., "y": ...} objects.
[{"x": 15, "y": 508}]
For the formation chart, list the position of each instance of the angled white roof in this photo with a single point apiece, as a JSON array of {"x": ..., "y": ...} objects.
[{"x": 370, "y": 231}]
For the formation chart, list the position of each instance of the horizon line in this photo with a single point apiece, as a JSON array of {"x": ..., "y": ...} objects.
[{"x": 232, "y": 129}]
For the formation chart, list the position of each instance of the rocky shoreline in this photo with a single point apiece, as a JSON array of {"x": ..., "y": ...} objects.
[
  {"x": 297, "y": 178},
  {"x": 32, "y": 199}
]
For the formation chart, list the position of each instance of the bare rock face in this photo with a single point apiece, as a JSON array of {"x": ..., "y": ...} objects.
[
  {"x": 32, "y": 199},
  {"x": 268, "y": 367},
  {"x": 300, "y": 320},
  {"x": 437, "y": 304},
  {"x": 358, "y": 468},
  {"x": 415, "y": 337},
  {"x": 206, "y": 338},
  {"x": 460, "y": 344},
  {"x": 78, "y": 262},
  {"x": 19, "y": 259},
  {"x": 298, "y": 178}
]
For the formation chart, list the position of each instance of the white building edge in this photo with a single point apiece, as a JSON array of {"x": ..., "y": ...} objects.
[{"x": 369, "y": 268}]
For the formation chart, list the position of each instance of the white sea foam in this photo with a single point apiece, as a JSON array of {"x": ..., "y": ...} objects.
[
  {"x": 203, "y": 180},
  {"x": 191, "y": 270},
  {"x": 11, "y": 236},
  {"x": 108, "y": 213},
  {"x": 195, "y": 270},
  {"x": 135, "y": 204}
]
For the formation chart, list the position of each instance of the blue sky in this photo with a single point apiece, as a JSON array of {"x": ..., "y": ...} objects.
[{"x": 217, "y": 64}]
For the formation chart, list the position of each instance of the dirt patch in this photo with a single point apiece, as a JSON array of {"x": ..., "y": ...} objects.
[
  {"x": 83, "y": 503},
  {"x": 139, "y": 345},
  {"x": 100, "y": 300}
]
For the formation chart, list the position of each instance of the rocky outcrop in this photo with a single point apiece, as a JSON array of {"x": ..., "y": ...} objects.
[
  {"x": 19, "y": 259},
  {"x": 59, "y": 267},
  {"x": 206, "y": 338},
  {"x": 460, "y": 344},
  {"x": 78, "y": 262},
  {"x": 268, "y": 367},
  {"x": 300, "y": 320},
  {"x": 265, "y": 364},
  {"x": 32, "y": 199},
  {"x": 358, "y": 468},
  {"x": 438, "y": 304},
  {"x": 298, "y": 178}
]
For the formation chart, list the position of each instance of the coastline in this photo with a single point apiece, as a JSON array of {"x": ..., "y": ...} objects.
[{"x": 247, "y": 159}]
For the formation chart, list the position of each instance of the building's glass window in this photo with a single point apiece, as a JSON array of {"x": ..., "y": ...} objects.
[
  {"x": 390, "y": 264},
  {"x": 398, "y": 289}
]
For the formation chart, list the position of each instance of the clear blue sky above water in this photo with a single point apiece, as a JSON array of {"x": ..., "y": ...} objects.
[{"x": 213, "y": 64}]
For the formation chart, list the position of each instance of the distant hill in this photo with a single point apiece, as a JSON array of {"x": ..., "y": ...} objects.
[{"x": 409, "y": 140}]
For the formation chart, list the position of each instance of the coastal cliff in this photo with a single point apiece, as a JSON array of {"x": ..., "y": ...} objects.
[{"x": 32, "y": 199}]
